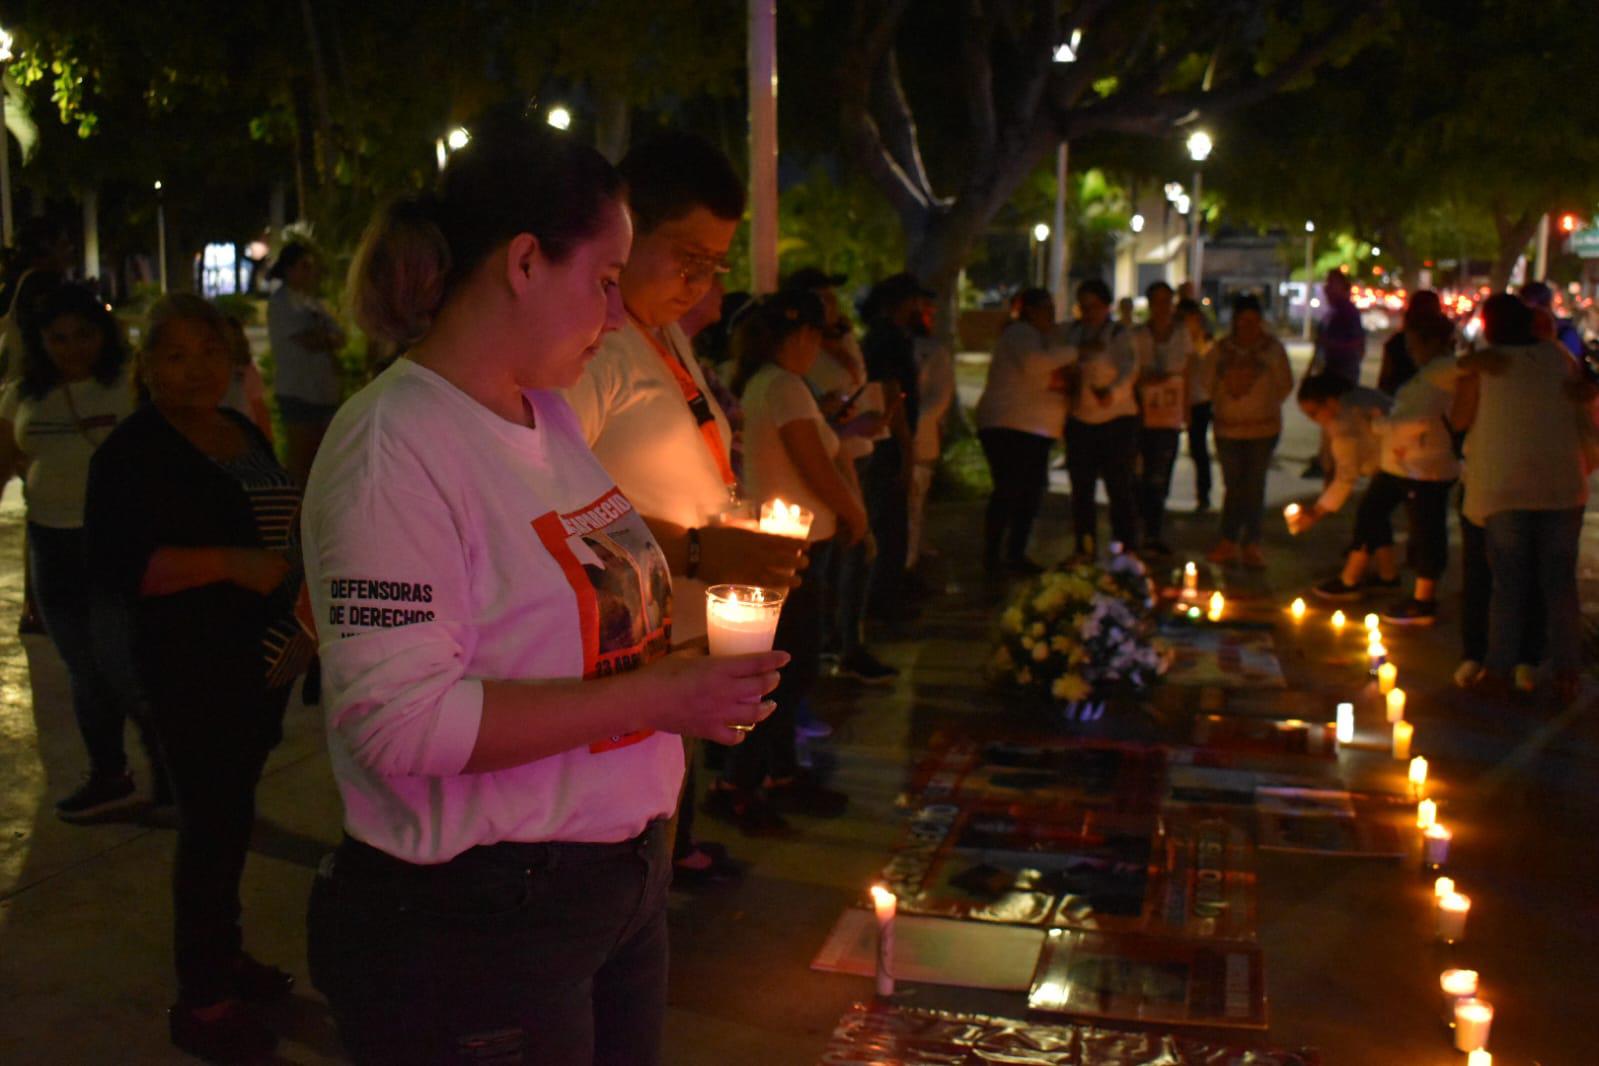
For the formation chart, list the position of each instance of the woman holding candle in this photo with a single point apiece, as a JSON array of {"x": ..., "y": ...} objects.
[
  {"x": 503, "y": 718},
  {"x": 1248, "y": 379},
  {"x": 790, "y": 452}
]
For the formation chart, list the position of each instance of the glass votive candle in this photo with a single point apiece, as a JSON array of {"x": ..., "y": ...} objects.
[
  {"x": 1473, "y": 1019},
  {"x": 1404, "y": 733},
  {"x": 1452, "y": 911},
  {"x": 786, "y": 519},
  {"x": 1338, "y": 621},
  {"x": 1418, "y": 777},
  {"x": 1387, "y": 677},
  {"x": 1344, "y": 725},
  {"x": 1426, "y": 814},
  {"x": 740, "y": 619},
  {"x": 1435, "y": 844}
]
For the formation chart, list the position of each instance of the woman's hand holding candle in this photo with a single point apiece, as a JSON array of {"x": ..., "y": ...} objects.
[
  {"x": 709, "y": 696},
  {"x": 729, "y": 554}
]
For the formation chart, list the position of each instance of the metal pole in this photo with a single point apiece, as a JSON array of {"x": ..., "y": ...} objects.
[
  {"x": 91, "y": 234},
  {"x": 5, "y": 182},
  {"x": 1540, "y": 270},
  {"x": 1060, "y": 251},
  {"x": 161, "y": 236},
  {"x": 1310, "y": 239},
  {"x": 763, "y": 144},
  {"x": 1198, "y": 271}
]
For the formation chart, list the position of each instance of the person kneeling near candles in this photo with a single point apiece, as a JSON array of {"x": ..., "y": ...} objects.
[
  {"x": 1350, "y": 417},
  {"x": 790, "y": 453},
  {"x": 504, "y": 719}
]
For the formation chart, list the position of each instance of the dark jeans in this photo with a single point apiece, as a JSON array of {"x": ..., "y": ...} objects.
[
  {"x": 507, "y": 954},
  {"x": 888, "y": 512},
  {"x": 214, "y": 746},
  {"x": 1199, "y": 449},
  {"x": 1427, "y": 510},
  {"x": 1105, "y": 451},
  {"x": 1019, "y": 463},
  {"x": 1476, "y": 594},
  {"x": 768, "y": 751},
  {"x": 1527, "y": 550},
  {"x": 89, "y": 642},
  {"x": 843, "y": 575},
  {"x": 1157, "y": 455},
  {"x": 1244, "y": 464}
]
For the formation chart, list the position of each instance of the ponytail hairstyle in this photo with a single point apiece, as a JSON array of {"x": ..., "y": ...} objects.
[
  {"x": 765, "y": 323},
  {"x": 514, "y": 176}
]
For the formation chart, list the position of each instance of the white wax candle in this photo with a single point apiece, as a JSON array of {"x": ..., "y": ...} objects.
[
  {"x": 1190, "y": 578},
  {"x": 1479, "y": 1058},
  {"x": 1387, "y": 675},
  {"x": 786, "y": 519},
  {"x": 1458, "y": 984},
  {"x": 1418, "y": 777},
  {"x": 1426, "y": 814},
  {"x": 1436, "y": 844},
  {"x": 885, "y": 904},
  {"x": 740, "y": 619},
  {"x": 1218, "y": 603},
  {"x": 1345, "y": 725},
  {"x": 1376, "y": 655},
  {"x": 1443, "y": 887},
  {"x": 1452, "y": 911},
  {"x": 1404, "y": 732},
  {"x": 1395, "y": 698},
  {"x": 1372, "y": 623},
  {"x": 1297, "y": 609},
  {"x": 1338, "y": 620},
  {"x": 1473, "y": 1019}
]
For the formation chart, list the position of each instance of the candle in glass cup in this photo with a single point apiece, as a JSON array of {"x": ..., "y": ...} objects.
[
  {"x": 1345, "y": 725},
  {"x": 1479, "y": 1058},
  {"x": 885, "y": 904},
  {"x": 1456, "y": 985},
  {"x": 1435, "y": 844},
  {"x": 1404, "y": 732},
  {"x": 1291, "y": 517},
  {"x": 1376, "y": 655},
  {"x": 786, "y": 519},
  {"x": 1297, "y": 609},
  {"x": 1395, "y": 699},
  {"x": 1373, "y": 623},
  {"x": 1387, "y": 677},
  {"x": 1190, "y": 579},
  {"x": 1218, "y": 604},
  {"x": 1418, "y": 776},
  {"x": 740, "y": 619},
  {"x": 1473, "y": 1019},
  {"x": 1443, "y": 887},
  {"x": 1338, "y": 621},
  {"x": 1452, "y": 911},
  {"x": 1426, "y": 814}
]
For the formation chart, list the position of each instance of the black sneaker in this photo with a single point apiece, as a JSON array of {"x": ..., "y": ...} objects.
[
  {"x": 861, "y": 665},
  {"x": 1335, "y": 590},
  {"x": 1411, "y": 612},
  {"x": 99, "y": 794},
  {"x": 232, "y": 1035}
]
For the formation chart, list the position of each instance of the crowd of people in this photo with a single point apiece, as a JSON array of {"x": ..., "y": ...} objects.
[
  {"x": 1118, "y": 396},
  {"x": 490, "y": 564}
]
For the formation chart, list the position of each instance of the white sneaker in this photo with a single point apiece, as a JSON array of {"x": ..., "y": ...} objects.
[
  {"x": 1467, "y": 672},
  {"x": 1526, "y": 677}
]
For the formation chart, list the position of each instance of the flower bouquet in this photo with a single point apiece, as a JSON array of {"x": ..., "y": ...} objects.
[{"x": 1081, "y": 634}]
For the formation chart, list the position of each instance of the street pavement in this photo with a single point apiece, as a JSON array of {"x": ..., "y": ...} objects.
[{"x": 85, "y": 914}]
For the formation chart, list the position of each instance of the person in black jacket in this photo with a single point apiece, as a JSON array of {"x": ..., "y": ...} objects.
[{"x": 192, "y": 523}]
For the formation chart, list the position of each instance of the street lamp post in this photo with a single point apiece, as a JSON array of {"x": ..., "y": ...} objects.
[
  {"x": 1199, "y": 146},
  {"x": 1040, "y": 250},
  {"x": 161, "y": 234},
  {"x": 1310, "y": 239},
  {"x": 5, "y": 148}
]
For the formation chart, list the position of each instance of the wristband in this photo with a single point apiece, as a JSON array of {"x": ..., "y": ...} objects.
[{"x": 692, "y": 566}]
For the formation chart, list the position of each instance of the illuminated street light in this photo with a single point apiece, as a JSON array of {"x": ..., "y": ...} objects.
[
  {"x": 1067, "y": 53},
  {"x": 6, "y": 40},
  {"x": 1199, "y": 146},
  {"x": 457, "y": 138},
  {"x": 1183, "y": 203},
  {"x": 1136, "y": 223},
  {"x": 1174, "y": 189},
  {"x": 1310, "y": 227},
  {"x": 1041, "y": 232},
  {"x": 1375, "y": 251},
  {"x": 560, "y": 118}
]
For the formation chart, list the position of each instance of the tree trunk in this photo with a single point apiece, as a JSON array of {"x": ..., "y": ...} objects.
[
  {"x": 1514, "y": 233},
  {"x": 324, "y": 110}
]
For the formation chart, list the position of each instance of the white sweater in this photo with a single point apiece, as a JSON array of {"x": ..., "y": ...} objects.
[
  {"x": 1416, "y": 441},
  {"x": 444, "y": 547},
  {"x": 1524, "y": 452}
]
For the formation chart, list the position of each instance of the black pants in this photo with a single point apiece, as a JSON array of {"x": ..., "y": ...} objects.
[
  {"x": 507, "y": 954},
  {"x": 1019, "y": 463},
  {"x": 1426, "y": 510},
  {"x": 1199, "y": 449},
  {"x": 888, "y": 512},
  {"x": 1157, "y": 455},
  {"x": 1103, "y": 451},
  {"x": 1476, "y": 596},
  {"x": 214, "y": 746},
  {"x": 768, "y": 751}
]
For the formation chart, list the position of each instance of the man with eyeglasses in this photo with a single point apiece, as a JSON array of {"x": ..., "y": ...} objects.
[{"x": 644, "y": 402}]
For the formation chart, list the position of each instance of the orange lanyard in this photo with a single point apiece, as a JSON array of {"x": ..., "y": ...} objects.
[{"x": 699, "y": 406}]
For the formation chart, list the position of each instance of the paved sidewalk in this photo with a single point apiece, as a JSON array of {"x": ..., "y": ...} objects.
[{"x": 85, "y": 916}]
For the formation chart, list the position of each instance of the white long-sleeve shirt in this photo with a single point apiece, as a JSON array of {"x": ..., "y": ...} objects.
[
  {"x": 445, "y": 547},
  {"x": 1112, "y": 367},
  {"x": 1017, "y": 394},
  {"x": 1355, "y": 438},
  {"x": 1416, "y": 439}
]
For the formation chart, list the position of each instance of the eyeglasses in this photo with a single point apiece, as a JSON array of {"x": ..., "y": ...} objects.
[{"x": 696, "y": 268}]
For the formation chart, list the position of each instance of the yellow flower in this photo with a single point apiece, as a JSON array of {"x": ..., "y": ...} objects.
[
  {"x": 1040, "y": 652},
  {"x": 1069, "y": 687},
  {"x": 1024, "y": 676},
  {"x": 1028, "y": 642},
  {"x": 1012, "y": 619},
  {"x": 1062, "y": 643},
  {"x": 1038, "y": 629}
]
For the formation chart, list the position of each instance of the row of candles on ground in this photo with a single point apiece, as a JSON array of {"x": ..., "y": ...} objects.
[{"x": 1470, "y": 1016}]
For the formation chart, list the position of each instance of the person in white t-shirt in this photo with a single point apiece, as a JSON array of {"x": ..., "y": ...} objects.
[
  {"x": 74, "y": 387},
  {"x": 495, "y": 616},
  {"x": 1164, "y": 353},
  {"x": 643, "y": 402}
]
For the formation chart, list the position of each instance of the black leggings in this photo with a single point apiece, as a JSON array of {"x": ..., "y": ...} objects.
[
  {"x": 1427, "y": 510},
  {"x": 1019, "y": 463},
  {"x": 1107, "y": 451},
  {"x": 1199, "y": 449},
  {"x": 1157, "y": 454}
]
